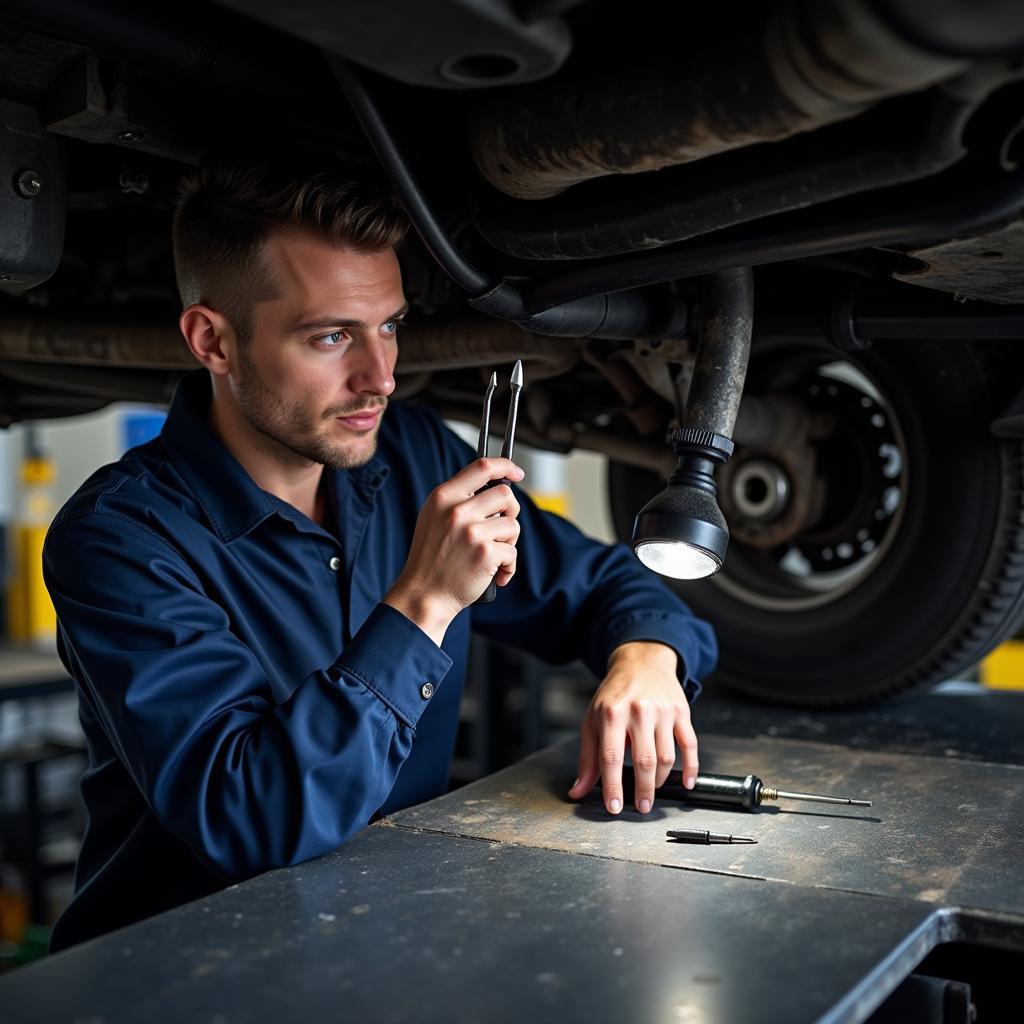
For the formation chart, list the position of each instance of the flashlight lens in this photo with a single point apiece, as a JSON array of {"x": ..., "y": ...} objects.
[{"x": 679, "y": 560}]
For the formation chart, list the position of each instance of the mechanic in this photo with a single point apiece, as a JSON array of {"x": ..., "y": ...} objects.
[{"x": 267, "y": 608}]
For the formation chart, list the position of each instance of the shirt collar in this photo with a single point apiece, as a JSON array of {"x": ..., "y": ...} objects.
[{"x": 229, "y": 497}]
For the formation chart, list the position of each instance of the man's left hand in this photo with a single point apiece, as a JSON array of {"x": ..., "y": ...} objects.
[{"x": 640, "y": 704}]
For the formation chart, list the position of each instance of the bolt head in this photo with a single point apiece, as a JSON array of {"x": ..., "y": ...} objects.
[
  {"x": 134, "y": 183},
  {"x": 28, "y": 184}
]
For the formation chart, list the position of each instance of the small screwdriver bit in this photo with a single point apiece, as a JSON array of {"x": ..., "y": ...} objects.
[{"x": 696, "y": 835}]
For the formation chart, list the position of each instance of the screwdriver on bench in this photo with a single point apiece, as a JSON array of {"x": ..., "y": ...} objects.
[
  {"x": 506, "y": 446},
  {"x": 746, "y": 791},
  {"x": 703, "y": 838}
]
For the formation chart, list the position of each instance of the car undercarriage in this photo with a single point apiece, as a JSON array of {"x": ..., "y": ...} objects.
[{"x": 836, "y": 187}]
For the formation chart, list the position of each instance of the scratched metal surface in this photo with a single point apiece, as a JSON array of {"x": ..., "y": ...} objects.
[
  {"x": 402, "y": 926},
  {"x": 941, "y": 831}
]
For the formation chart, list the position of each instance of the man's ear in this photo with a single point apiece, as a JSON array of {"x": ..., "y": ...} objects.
[{"x": 210, "y": 338}]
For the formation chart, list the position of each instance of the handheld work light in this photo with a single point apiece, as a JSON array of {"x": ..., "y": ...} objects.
[{"x": 681, "y": 532}]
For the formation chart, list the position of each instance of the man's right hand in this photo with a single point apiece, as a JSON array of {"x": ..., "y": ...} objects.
[{"x": 462, "y": 541}]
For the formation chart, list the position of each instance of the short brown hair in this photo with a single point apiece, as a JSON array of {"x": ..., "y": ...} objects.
[{"x": 230, "y": 206}]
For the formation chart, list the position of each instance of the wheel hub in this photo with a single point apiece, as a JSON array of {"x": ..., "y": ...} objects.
[{"x": 811, "y": 508}]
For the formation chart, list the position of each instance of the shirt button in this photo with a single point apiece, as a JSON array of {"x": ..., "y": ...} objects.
[
  {"x": 427, "y": 691},
  {"x": 335, "y": 563}
]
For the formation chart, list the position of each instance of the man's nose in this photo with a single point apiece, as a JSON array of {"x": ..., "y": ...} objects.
[{"x": 374, "y": 370}]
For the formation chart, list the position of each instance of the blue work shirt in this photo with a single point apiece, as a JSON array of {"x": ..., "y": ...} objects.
[{"x": 248, "y": 702}]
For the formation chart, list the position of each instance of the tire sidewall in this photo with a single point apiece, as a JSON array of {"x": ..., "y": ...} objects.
[{"x": 893, "y": 627}]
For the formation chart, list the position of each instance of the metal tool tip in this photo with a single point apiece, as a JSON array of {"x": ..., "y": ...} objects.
[
  {"x": 493, "y": 382},
  {"x": 517, "y": 374},
  {"x": 861, "y": 803},
  {"x": 743, "y": 839}
]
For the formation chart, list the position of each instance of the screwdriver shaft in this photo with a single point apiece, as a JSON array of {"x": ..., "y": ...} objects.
[
  {"x": 485, "y": 419},
  {"x": 783, "y": 794}
]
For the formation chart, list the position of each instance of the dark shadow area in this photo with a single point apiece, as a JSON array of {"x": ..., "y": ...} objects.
[
  {"x": 957, "y": 983},
  {"x": 961, "y": 720}
]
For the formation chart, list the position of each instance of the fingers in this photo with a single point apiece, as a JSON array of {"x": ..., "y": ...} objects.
[
  {"x": 665, "y": 744},
  {"x": 463, "y": 540},
  {"x": 478, "y": 473},
  {"x": 640, "y": 710},
  {"x": 493, "y": 501},
  {"x": 609, "y": 730},
  {"x": 611, "y": 743},
  {"x": 496, "y": 560},
  {"x": 602, "y": 742},
  {"x": 502, "y": 529},
  {"x": 493, "y": 543},
  {"x": 491, "y": 540},
  {"x": 589, "y": 769},
  {"x": 645, "y": 756},
  {"x": 504, "y": 576},
  {"x": 687, "y": 740}
]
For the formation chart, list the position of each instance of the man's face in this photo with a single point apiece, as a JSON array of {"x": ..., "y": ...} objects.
[{"x": 315, "y": 377}]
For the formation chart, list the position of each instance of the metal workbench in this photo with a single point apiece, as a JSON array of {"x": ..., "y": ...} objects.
[{"x": 505, "y": 902}]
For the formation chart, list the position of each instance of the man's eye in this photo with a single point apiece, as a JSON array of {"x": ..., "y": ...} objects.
[
  {"x": 332, "y": 339},
  {"x": 390, "y": 326}
]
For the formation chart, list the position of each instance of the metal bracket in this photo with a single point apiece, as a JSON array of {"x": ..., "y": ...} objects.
[
  {"x": 32, "y": 193},
  {"x": 109, "y": 101}
]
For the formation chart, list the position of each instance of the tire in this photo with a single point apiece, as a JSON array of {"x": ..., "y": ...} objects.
[{"x": 949, "y": 585}]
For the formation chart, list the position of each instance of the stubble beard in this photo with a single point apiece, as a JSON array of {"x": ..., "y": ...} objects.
[{"x": 287, "y": 429}]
